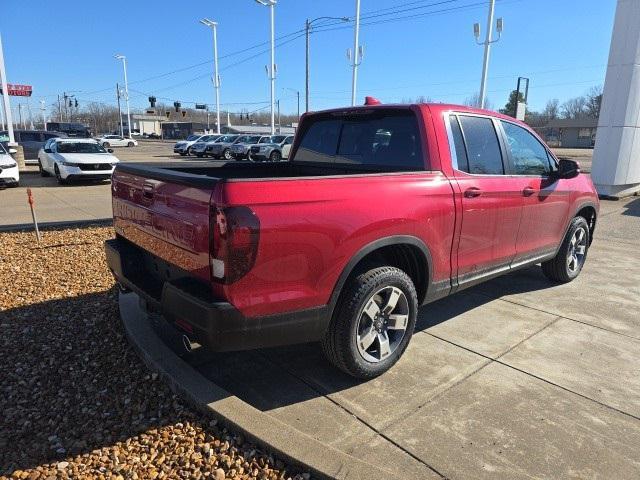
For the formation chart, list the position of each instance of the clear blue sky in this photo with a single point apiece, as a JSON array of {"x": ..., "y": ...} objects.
[{"x": 69, "y": 45}]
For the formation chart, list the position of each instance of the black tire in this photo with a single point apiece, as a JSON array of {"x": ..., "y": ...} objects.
[
  {"x": 130, "y": 144},
  {"x": 227, "y": 154},
  {"x": 182, "y": 154},
  {"x": 106, "y": 144},
  {"x": 61, "y": 180},
  {"x": 559, "y": 269},
  {"x": 43, "y": 172},
  {"x": 199, "y": 155},
  {"x": 189, "y": 152},
  {"x": 340, "y": 341},
  {"x": 275, "y": 156}
]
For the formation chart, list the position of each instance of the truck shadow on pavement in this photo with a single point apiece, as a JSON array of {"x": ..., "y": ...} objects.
[
  {"x": 273, "y": 378},
  {"x": 632, "y": 208}
]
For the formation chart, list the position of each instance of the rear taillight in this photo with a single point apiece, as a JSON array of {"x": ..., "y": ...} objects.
[{"x": 234, "y": 239}]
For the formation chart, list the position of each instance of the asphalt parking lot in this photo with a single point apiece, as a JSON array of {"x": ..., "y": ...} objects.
[
  {"x": 79, "y": 201},
  {"x": 515, "y": 378}
]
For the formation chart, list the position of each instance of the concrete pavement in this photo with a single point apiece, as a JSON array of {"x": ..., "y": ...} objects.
[{"x": 516, "y": 378}]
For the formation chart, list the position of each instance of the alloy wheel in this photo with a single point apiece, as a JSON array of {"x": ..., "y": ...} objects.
[
  {"x": 382, "y": 324},
  {"x": 577, "y": 250}
]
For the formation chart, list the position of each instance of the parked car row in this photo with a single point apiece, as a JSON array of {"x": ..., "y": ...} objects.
[
  {"x": 237, "y": 147},
  {"x": 31, "y": 141}
]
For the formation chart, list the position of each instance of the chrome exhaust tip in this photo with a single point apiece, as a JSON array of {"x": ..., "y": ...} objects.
[{"x": 187, "y": 344}]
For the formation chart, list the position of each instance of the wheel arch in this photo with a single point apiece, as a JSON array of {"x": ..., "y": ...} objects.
[
  {"x": 589, "y": 212},
  {"x": 406, "y": 252}
]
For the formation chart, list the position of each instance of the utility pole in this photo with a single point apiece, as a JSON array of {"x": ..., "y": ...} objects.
[
  {"x": 43, "y": 109},
  {"x": 297, "y": 92},
  {"x": 20, "y": 116},
  {"x": 279, "y": 127},
  {"x": 357, "y": 54},
  {"x": 307, "y": 29},
  {"x": 272, "y": 70},
  {"x": 216, "y": 78},
  {"x": 66, "y": 105},
  {"x": 487, "y": 47},
  {"x": 126, "y": 91},
  {"x": 30, "y": 115},
  {"x": 119, "y": 110},
  {"x": 59, "y": 110},
  {"x": 5, "y": 98}
]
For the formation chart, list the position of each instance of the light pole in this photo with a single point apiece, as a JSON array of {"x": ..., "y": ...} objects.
[
  {"x": 357, "y": 54},
  {"x": 5, "y": 98},
  {"x": 307, "y": 29},
  {"x": 126, "y": 89},
  {"x": 216, "y": 78},
  {"x": 272, "y": 71},
  {"x": 297, "y": 92},
  {"x": 43, "y": 109},
  {"x": 487, "y": 47}
]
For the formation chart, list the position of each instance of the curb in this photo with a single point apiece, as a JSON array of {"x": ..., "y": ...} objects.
[
  {"x": 288, "y": 443},
  {"x": 98, "y": 222}
]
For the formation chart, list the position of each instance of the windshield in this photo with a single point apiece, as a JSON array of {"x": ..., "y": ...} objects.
[
  {"x": 387, "y": 138},
  {"x": 191, "y": 138},
  {"x": 2, "y": 150},
  {"x": 249, "y": 139},
  {"x": 84, "y": 147},
  {"x": 278, "y": 138},
  {"x": 227, "y": 139}
]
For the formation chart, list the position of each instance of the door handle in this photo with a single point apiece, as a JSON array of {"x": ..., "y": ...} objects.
[
  {"x": 528, "y": 191},
  {"x": 472, "y": 192}
]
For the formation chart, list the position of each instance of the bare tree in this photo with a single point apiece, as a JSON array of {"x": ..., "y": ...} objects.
[
  {"x": 574, "y": 108},
  {"x": 552, "y": 109},
  {"x": 474, "y": 101},
  {"x": 594, "y": 101}
]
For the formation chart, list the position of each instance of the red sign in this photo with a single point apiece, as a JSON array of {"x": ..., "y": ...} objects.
[{"x": 18, "y": 90}]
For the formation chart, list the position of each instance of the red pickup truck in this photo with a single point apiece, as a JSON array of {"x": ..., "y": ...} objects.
[{"x": 380, "y": 209}]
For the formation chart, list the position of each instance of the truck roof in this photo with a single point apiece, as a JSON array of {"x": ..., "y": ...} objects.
[{"x": 435, "y": 108}]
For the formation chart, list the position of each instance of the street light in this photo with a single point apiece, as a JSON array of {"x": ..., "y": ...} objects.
[
  {"x": 307, "y": 28},
  {"x": 5, "y": 99},
  {"x": 126, "y": 88},
  {"x": 487, "y": 47},
  {"x": 297, "y": 92},
  {"x": 357, "y": 54},
  {"x": 272, "y": 71},
  {"x": 216, "y": 78}
]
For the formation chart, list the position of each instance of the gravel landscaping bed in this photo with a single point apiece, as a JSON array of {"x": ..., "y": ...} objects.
[{"x": 75, "y": 400}]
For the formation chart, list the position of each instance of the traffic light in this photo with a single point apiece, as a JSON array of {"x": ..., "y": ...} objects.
[
  {"x": 184, "y": 113},
  {"x": 152, "y": 102},
  {"x": 76, "y": 103},
  {"x": 177, "y": 105},
  {"x": 168, "y": 114}
]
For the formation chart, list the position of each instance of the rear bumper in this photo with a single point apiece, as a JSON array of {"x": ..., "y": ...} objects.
[{"x": 215, "y": 324}]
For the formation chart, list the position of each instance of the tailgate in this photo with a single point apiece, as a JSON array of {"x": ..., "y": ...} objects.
[{"x": 169, "y": 219}]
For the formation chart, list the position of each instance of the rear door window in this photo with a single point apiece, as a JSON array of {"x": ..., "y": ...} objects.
[
  {"x": 386, "y": 138},
  {"x": 482, "y": 146}
]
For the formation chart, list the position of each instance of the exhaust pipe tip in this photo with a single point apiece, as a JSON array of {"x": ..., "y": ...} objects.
[{"x": 187, "y": 344}]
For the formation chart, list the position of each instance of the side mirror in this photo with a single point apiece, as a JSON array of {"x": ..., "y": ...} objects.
[
  {"x": 47, "y": 150},
  {"x": 12, "y": 151},
  {"x": 110, "y": 150},
  {"x": 568, "y": 168}
]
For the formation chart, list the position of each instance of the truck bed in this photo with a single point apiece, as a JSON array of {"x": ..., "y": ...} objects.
[{"x": 205, "y": 174}]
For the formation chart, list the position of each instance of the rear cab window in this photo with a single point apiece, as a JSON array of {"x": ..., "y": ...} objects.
[
  {"x": 380, "y": 139},
  {"x": 475, "y": 145}
]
